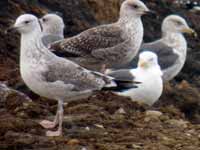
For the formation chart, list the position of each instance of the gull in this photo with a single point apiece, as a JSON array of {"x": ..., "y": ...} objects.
[
  {"x": 171, "y": 48},
  {"x": 53, "y": 24},
  {"x": 51, "y": 76},
  {"x": 148, "y": 73},
  {"x": 52, "y": 27},
  {"x": 108, "y": 45}
]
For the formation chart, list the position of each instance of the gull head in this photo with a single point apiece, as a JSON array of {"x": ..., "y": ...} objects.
[
  {"x": 176, "y": 24},
  {"x": 52, "y": 24},
  {"x": 134, "y": 7},
  {"x": 25, "y": 24},
  {"x": 148, "y": 60}
]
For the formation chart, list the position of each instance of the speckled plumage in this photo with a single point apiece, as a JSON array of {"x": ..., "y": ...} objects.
[{"x": 110, "y": 45}]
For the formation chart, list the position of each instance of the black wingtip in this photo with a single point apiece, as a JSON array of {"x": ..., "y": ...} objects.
[
  {"x": 118, "y": 88},
  {"x": 122, "y": 86}
]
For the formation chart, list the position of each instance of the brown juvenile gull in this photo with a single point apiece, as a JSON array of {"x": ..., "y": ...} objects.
[
  {"x": 171, "y": 48},
  {"x": 51, "y": 76},
  {"x": 53, "y": 26},
  {"x": 148, "y": 72},
  {"x": 106, "y": 46}
]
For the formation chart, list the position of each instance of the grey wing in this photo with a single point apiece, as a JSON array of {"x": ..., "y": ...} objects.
[
  {"x": 166, "y": 55},
  {"x": 123, "y": 75},
  {"x": 75, "y": 75},
  {"x": 126, "y": 76},
  {"x": 101, "y": 37},
  {"x": 50, "y": 38}
]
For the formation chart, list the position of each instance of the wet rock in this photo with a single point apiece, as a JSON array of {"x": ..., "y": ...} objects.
[
  {"x": 7, "y": 93},
  {"x": 18, "y": 103}
]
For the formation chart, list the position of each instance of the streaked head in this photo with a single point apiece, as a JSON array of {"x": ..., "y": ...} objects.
[
  {"x": 136, "y": 7},
  {"x": 176, "y": 24},
  {"x": 52, "y": 24},
  {"x": 25, "y": 24},
  {"x": 148, "y": 60}
]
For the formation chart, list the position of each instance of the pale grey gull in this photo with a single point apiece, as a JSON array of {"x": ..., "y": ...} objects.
[
  {"x": 51, "y": 76},
  {"x": 53, "y": 28},
  {"x": 171, "y": 48}
]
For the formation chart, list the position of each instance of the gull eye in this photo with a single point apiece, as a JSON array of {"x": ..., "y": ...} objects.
[
  {"x": 179, "y": 23},
  {"x": 44, "y": 20},
  {"x": 151, "y": 59},
  {"x": 27, "y": 22},
  {"x": 135, "y": 6}
]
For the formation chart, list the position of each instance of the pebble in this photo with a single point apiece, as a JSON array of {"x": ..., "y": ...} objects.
[
  {"x": 87, "y": 128},
  {"x": 73, "y": 142},
  {"x": 120, "y": 111},
  {"x": 99, "y": 126},
  {"x": 178, "y": 123},
  {"x": 151, "y": 115}
]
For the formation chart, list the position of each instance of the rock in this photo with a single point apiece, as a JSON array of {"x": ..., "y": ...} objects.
[
  {"x": 18, "y": 103},
  {"x": 136, "y": 146},
  {"x": 20, "y": 138},
  {"x": 180, "y": 101},
  {"x": 73, "y": 142},
  {"x": 99, "y": 126},
  {"x": 152, "y": 115},
  {"x": 182, "y": 97},
  {"x": 178, "y": 123},
  {"x": 7, "y": 93},
  {"x": 120, "y": 111}
]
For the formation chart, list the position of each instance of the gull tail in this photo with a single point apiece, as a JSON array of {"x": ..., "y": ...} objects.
[
  {"x": 124, "y": 80},
  {"x": 117, "y": 83},
  {"x": 121, "y": 85}
]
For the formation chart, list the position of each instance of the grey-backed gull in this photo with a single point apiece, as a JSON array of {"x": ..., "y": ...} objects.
[
  {"x": 51, "y": 76},
  {"x": 171, "y": 48},
  {"x": 149, "y": 74}
]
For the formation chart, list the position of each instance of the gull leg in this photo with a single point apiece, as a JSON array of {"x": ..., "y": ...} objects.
[
  {"x": 50, "y": 124},
  {"x": 60, "y": 121}
]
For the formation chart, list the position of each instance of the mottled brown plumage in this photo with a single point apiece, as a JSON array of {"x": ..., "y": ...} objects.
[{"x": 110, "y": 45}]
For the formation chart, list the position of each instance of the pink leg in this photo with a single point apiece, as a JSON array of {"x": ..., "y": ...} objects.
[
  {"x": 60, "y": 121},
  {"x": 50, "y": 124}
]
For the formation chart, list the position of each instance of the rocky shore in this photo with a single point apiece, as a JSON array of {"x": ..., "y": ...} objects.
[{"x": 104, "y": 121}]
